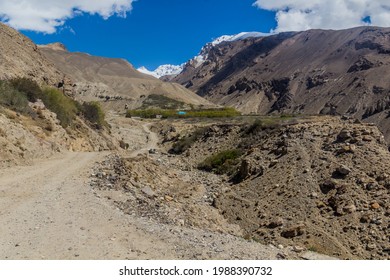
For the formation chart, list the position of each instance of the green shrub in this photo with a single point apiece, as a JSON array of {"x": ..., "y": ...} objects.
[
  {"x": 94, "y": 113},
  {"x": 222, "y": 162},
  {"x": 262, "y": 124},
  {"x": 186, "y": 142},
  {"x": 65, "y": 107},
  {"x": 27, "y": 86},
  {"x": 16, "y": 93},
  {"x": 12, "y": 98}
]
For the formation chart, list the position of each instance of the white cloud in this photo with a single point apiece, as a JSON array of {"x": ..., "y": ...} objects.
[
  {"x": 47, "y": 15},
  {"x": 297, "y": 15}
]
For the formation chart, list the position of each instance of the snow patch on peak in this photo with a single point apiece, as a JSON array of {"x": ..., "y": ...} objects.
[
  {"x": 163, "y": 70},
  {"x": 239, "y": 36},
  {"x": 144, "y": 70}
]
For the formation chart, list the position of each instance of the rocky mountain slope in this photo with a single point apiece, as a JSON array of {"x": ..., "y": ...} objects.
[
  {"x": 318, "y": 183},
  {"x": 35, "y": 132},
  {"x": 114, "y": 80},
  {"x": 311, "y": 72},
  {"x": 167, "y": 72},
  {"x": 20, "y": 57}
]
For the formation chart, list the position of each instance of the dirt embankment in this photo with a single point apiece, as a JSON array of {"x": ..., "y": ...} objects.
[{"x": 321, "y": 184}]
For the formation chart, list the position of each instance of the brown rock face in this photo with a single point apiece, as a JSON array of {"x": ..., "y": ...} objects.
[
  {"x": 311, "y": 72},
  {"x": 20, "y": 57}
]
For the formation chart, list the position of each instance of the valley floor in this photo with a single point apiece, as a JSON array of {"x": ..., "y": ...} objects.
[{"x": 50, "y": 211}]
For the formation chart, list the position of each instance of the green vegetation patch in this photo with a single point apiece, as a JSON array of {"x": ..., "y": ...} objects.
[
  {"x": 165, "y": 113},
  {"x": 28, "y": 87},
  {"x": 16, "y": 93},
  {"x": 264, "y": 123},
  {"x": 94, "y": 113},
  {"x": 65, "y": 108},
  {"x": 222, "y": 162},
  {"x": 13, "y": 99}
]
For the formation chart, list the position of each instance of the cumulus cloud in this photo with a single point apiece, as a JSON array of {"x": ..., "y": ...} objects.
[
  {"x": 47, "y": 15},
  {"x": 298, "y": 15}
]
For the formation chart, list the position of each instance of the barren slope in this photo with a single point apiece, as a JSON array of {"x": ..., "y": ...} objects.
[
  {"x": 20, "y": 57},
  {"x": 319, "y": 183},
  {"x": 98, "y": 77}
]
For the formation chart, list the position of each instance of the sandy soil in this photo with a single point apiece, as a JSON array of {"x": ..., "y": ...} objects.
[{"x": 48, "y": 211}]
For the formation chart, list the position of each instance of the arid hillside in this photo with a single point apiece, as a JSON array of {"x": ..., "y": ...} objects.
[
  {"x": 37, "y": 116},
  {"x": 319, "y": 183},
  {"x": 311, "y": 72},
  {"x": 20, "y": 57},
  {"x": 113, "y": 80}
]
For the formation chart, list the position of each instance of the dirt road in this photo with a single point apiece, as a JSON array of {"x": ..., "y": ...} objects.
[{"x": 48, "y": 211}]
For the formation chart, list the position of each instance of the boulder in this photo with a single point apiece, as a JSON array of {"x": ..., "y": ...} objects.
[
  {"x": 249, "y": 167},
  {"x": 293, "y": 231},
  {"x": 344, "y": 135}
]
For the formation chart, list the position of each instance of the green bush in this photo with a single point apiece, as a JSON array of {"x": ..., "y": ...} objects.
[
  {"x": 16, "y": 93},
  {"x": 27, "y": 86},
  {"x": 94, "y": 113},
  {"x": 222, "y": 162},
  {"x": 262, "y": 124},
  {"x": 12, "y": 98},
  {"x": 65, "y": 107}
]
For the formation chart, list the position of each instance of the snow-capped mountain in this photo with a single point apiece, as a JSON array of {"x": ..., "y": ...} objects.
[
  {"x": 163, "y": 70},
  {"x": 239, "y": 36},
  {"x": 203, "y": 55},
  {"x": 168, "y": 69}
]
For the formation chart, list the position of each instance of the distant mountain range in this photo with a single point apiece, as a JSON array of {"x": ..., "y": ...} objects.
[
  {"x": 83, "y": 76},
  {"x": 311, "y": 72}
]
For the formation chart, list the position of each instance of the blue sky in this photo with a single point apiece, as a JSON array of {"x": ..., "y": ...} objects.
[
  {"x": 154, "y": 32},
  {"x": 159, "y": 32}
]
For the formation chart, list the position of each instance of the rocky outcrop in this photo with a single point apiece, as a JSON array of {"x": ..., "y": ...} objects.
[{"x": 361, "y": 65}]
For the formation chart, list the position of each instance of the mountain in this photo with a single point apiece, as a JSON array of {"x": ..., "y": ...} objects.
[
  {"x": 162, "y": 70},
  {"x": 311, "y": 72},
  {"x": 114, "y": 80},
  {"x": 168, "y": 71},
  {"x": 20, "y": 57}
]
